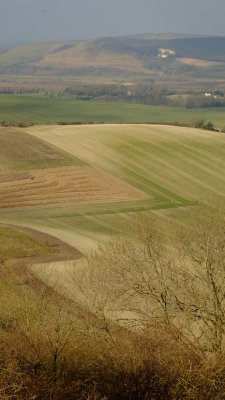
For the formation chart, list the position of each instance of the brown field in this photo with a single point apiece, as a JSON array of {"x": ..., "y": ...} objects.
[
  {"x": 20, "y": 151},
  {"x": 197, "y": 63},
  {"x": 62, "y": 185}
]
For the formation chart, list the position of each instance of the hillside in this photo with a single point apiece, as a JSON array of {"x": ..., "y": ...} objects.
[
  {"x": 123, "y": 169},
  {"x": 70, "y": 316},
  {"x": 139, "y": 54}
]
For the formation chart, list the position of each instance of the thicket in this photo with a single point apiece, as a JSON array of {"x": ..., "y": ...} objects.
[
  {"x": 152, "y": 325},
  {"x": 201, "y": 101},
  {"x": 17, "y": 124},
  {"x": 200, "y": 124}
]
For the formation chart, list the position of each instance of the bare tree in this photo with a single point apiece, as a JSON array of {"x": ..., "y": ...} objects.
[
  {"x": 142, "y": 278},
  {"x": 46, "y": 329},
  {"x": 201, "y": 274}
]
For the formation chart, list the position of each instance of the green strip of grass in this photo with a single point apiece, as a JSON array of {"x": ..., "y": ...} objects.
[
  {"x": 15, "y": 245},
  {"x": 40, "y": 110}
]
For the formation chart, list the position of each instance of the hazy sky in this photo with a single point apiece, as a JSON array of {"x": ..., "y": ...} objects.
[{"x": 36, "y": 20}]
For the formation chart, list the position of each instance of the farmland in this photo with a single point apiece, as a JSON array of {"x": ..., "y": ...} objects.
[
  {"x": 21, "y": 246},
  {"x": 20, "y": 152},
  {"x": 15, "y": 109},
  {"x": 15, "y": 245},
  {"x": 112, "y": 202},
  {"x": 62, "y": 185},
  {"x": 168, "y": 163},
  {"x": 64, "y": 189},
  {"x": 113, "y": 171}
]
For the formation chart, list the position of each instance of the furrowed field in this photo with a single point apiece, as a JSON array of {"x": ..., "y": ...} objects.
[
  {"x": 15, "y": 109},
  {"x": 83, "y": 183}
]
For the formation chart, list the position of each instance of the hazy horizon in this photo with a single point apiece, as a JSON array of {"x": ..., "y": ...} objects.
[
  {"x": 27, "y": 21},
  {"x": 132, "y": 34}
]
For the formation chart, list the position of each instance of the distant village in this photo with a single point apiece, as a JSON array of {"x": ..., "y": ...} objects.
[{"x": 215, "y": 95}]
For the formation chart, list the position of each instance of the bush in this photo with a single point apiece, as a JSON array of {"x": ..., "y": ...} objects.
[
  {"x": 198, "y": 124},
  {"x": 209, "y": 126}
]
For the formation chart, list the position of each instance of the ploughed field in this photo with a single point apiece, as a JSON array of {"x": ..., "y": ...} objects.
[
  {"x": 62, "y": 185},
  {"x": 84, "y": 183},
  {"x": 32, "y": 187}
]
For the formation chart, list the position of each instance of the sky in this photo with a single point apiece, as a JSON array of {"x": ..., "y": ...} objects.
[{"x": 24, "y": 21}]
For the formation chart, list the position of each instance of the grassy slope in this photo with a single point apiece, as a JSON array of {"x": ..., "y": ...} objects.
[
  {"x": 14, "y": 109},
  {"x": 20, "y": 151},
  {"x": 31, "y": 53},
  {"x": 99, "y": 52},
  {"x": 15, "y": 245},
  {"x": 173, "y": 165},
  {"x": 168, "y": 163}
]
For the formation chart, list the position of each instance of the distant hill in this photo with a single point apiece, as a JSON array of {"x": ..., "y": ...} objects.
[
  {"x": 168, "y": 35},
  {"x": 138, "y": 54}
]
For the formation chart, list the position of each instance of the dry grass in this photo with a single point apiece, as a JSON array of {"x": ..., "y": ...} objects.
[
  {"x": 62, "y": 185},
  {"x": 81, "y": 57},
  {"x": 23, "y": 246},
  {"x": 52, "y": 348},
  {"x": 18, "y": 150},
  {"x": 197, "y": 63},
  {"x": 15, "y": 245},
  {"x": 92, "y": 364}
]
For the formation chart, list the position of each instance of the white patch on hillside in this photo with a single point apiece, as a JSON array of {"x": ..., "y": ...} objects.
[{"x": 165, "y": 53}]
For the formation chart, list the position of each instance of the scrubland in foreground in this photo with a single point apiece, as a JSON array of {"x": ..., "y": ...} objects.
[{"x": 152, "y": 327}]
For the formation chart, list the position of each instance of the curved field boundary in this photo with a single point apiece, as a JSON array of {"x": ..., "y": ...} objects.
[{"x": 57, "y": 249}]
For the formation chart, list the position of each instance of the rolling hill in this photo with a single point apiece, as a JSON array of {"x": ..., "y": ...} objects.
[
  {"x": 139, "y": 54},
  {"x": 118, "y": 170}
]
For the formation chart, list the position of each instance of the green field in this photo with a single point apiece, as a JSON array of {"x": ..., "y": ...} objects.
[
  {"x": 173, "y": 166},
  {"x": 170, "y": 164},
  {"x": 40, "y": 110},
  {"x": 15, "y": 245}
]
